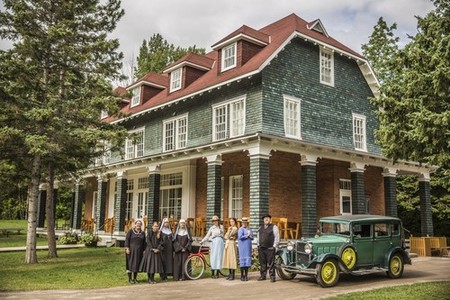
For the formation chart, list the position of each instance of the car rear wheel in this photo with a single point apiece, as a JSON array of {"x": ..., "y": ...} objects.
[
  {"x": 327, "y": 273},
  {"x": 348, "y": 257},
  {"x": 396, "y": 266},
  {"x": 282, "y": 273}
]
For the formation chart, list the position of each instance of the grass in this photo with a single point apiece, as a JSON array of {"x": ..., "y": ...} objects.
[
  {"x": 13, "y": 224},
  {"x": 428, "y": 290},
  {"x": 74, "y": 269}
]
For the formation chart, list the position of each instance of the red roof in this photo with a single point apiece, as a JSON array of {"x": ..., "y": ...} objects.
[
  {"x": 248, "y": 31},
  {"x": 193, "y": 58},
  {"x": 155, "y": 78},
  {"x": 119, "y": 91},
  {"x": 279, "y": 33}
]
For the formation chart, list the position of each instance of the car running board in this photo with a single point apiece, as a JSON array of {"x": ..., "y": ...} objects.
[{"x": 368, "y": 271}]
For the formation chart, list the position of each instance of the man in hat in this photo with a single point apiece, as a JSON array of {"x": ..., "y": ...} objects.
[{"x": 268, "y": 239}]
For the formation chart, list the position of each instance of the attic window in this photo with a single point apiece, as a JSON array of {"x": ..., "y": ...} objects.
[
  {"x": 136, "y": 98},
  {"x": 175, "y": 80},
  {"x": 229, "y": 57}
]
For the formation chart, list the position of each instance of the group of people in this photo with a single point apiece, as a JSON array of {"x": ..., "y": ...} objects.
[{"x": 165, "y": 252}]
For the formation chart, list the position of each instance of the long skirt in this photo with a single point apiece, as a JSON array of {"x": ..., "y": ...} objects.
[
  {"x": 216, "y": 253},
  {"x": 245, "y": 253},
  {"x": 151, "y": 262},
  {"x": 229, "y": 256}
]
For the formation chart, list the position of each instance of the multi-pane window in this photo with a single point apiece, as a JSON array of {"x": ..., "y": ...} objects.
[
  {"x": 136, "y": 97},
  {"x": 236, "y": 183},
  {"x": 175, "y": 80},
  {"x": 326, "y": 67},
  {"x": 292, "y": 117},
  {"x": 175, "y": 133},
  {"x": 345, "y": 195},
  {"x": 171, "y": 195},
  {"x": 134, "y": 145},
  {"x": 142, "y": 193},
  {"x": 229, "y": 119},
  {"x": 229, "y": 57},
  {"x": 359, "y": 132}
]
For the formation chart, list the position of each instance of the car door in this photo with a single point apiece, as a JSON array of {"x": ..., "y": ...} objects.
[
  {"x": 363, "y": 243},
  {"x": 381, "y": 242}
]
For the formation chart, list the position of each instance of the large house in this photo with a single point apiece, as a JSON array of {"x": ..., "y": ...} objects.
[{"x": 276, "y": 120}]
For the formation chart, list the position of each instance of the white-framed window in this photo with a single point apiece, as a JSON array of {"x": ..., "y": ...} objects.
[
  {"x": 175, "y": 133},
  {"x": 229, "y": 57},
  {"x": 229, "y": 119},
  {"x": 136, "y": 97},
  {"x": 235, "y": 199},
  {"x": 359, "y": 132},
  {"x": 326, "y": 67},
  {"x": 345, "y": 196},
  {"x": 292, "y": 117},
  {"x": 103, "y": 114},
  {"x": 175, "y": 80},
  {"x": 171, "y": 187},
  {"x": 94, "y": 203},
  {"x": 142, "y": 195},
  {"x": 134, "y": 145}
]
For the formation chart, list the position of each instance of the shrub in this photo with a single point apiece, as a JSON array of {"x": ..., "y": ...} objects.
[
  {"x": 68, "y": 239},
  {"x": 89, "y": 239}
]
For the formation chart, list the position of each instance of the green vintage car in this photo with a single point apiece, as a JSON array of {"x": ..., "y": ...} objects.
[{"x": 353, "y": 244}]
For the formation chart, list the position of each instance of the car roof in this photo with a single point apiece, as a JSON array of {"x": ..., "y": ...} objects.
[{"x": 353, "y": 218}]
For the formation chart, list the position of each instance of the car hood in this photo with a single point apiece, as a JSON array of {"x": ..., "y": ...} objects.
[{"x": 327, "y": 239}]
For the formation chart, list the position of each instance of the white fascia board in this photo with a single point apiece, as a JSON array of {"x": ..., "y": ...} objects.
[
  {"x": 186, "y": 63},
  {"x": 240, "y": 36},
  {"x": 137, "y": 84}
]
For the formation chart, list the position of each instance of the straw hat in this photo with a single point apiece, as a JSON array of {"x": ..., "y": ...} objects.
[
  {"x": 244, "y": 220},
  {"x": 214, "y": 218}
]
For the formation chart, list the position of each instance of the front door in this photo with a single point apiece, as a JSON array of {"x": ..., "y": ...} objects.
[
  {"x": 381, "y": 243},
  {"x": 363, "y": 242}
]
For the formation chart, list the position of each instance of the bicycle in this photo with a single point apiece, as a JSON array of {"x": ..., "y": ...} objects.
[{"x": 196, "y": 263}]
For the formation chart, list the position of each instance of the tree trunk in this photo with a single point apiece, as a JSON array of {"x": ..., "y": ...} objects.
[
  {"x": 50, "y": 212},
  {"x": 33, "y": 191}
]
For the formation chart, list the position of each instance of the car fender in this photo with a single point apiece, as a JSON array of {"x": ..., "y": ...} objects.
[
  {"x": 395, "y": 250},
  {"x": 323, "y": 257},
  {"x": 341, "y": 263}
]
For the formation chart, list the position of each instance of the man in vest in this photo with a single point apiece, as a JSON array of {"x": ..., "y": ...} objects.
[{"x": 268, "y": 239}]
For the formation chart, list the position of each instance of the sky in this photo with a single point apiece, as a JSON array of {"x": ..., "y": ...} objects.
[{"x": 204, "y": 22}]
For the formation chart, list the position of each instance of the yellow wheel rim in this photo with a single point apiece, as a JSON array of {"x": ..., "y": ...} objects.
[
  {"x": 328, "y": 272},
  {"x": 349, "y": 257},
  {"x": 395, "y": 265}
]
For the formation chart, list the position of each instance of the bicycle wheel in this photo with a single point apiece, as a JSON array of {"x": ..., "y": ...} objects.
[{"x": 194, "y": 267}]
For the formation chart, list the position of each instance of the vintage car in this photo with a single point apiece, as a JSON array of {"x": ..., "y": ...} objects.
[{"x": 353, "y": 244}]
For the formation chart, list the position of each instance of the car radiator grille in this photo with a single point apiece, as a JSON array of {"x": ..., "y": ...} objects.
[{"x": 302, "y": 257}]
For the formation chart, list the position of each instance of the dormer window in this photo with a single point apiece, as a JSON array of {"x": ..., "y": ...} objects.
[
  {"x": 175, "y": 80},
  {"x": 136, "y": 98},
  {"x": 229, "y": 57}
]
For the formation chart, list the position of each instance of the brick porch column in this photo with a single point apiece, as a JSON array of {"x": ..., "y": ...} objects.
[
  {"x": 121, "y": 204},
  {"x": 213, "y": 193},
  {"x": 42, "y": 198},
  {"x": 309, "y": 195},
  {"x": 100, "y": 214},
  {"x": 358, "y": 191},
  {"x": 154, "y": 192},
  {"x": 77, "y": 206},
  {"x": 426, "y": 216},
  {"x": 390, "y": 192},
  {"x": 259, "y": 185}
]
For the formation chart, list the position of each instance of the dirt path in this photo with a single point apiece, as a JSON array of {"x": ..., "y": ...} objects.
[{"x": 302, "y": 287}]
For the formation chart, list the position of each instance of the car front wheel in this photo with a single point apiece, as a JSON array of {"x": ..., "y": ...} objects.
[
  {"x": 282, "y": 273},
  {"x": 327, "y": 273},
  {"x": 395, "y": 266}
]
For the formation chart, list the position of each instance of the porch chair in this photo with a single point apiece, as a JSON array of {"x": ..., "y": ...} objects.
[{"x": 294, "y": 229}]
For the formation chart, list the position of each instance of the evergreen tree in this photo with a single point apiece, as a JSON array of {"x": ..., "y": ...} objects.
[
  {"x": 55, "y": 81},
  {"x": 156, "y": 53}
]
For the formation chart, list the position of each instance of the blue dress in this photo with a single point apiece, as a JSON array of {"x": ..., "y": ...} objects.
[
  {"x": 215, "y": 236},
  {"x": 245, "y": 247}
]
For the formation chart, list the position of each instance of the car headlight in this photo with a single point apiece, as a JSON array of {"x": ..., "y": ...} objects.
[
  {"x": 308, "y": 248},
  {"x": 290, "y": 246}
]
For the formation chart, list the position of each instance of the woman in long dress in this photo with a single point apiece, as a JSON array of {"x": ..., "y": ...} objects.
[
  {"x": 152, "y": 261},
  {"x": 134, "y": 250},
  {"x": 167, "y": 252},
  {"x": 229, "y": 256},
  {"x": 215, "y": 237},
  {"x": 182, "y": 246},
  {"x": 245, "y": 237}
]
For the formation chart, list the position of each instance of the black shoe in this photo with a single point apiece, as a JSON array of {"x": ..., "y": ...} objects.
[
  {"x": 261, "y": 278},
  {"x": 272, "y": 279}
]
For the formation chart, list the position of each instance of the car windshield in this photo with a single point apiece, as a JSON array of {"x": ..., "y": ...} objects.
[{"x": 335, "y": 228}]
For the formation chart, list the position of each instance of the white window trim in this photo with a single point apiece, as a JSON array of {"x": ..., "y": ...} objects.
[
  {"x": 135, "y": 145},
  {"x": 322, "y": 50},
  {"x": 363, "y": 118},
  {"x": 172, "y": 81},
  {"x": 228, "y": 121},
  {"x": 287, "y": 98},
  {"x": 133, "y": 102},
  {"x": 230, "y": 194},
  {"x": 347, "y": 193},
  {"x": 175, "y": 119},
  {"x": 223, "y": 57}
]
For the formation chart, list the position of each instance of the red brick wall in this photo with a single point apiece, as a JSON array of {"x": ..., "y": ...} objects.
[
  {"x": 200, "y": 191},
  {"x": 374, "y": 186},
  {"x": 91, "y": 187}
]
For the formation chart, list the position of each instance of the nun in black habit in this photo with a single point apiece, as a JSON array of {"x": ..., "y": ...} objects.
[
  {"x": 134, "y": 250},
  {"x": 182, "y": 241},
  {"x": 167, "y": 252},
  {"x": 152, "y": 261}
]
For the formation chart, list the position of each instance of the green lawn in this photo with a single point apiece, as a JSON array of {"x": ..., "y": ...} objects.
[
  {"x": 428, "y": 290},
  {"x": 13, "y": 224}
]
